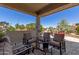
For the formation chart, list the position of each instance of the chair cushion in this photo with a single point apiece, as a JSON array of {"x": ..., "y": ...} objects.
[
  {"x": 54, "y": 43},
  {"x": 58, "y": 37}
]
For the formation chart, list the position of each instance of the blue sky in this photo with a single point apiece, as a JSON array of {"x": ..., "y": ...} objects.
[
  {"x": 71, "y": 15},
  {"x": 13, "y": 17}
]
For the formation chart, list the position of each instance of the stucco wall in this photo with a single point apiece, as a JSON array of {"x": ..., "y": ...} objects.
[{"x": 17, "y": 36}]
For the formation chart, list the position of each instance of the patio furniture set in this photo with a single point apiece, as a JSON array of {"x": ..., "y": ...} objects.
[{"x": 29, "y": 44}]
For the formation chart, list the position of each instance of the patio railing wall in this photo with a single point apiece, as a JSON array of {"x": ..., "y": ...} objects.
[{"x": 17, "y": 36}]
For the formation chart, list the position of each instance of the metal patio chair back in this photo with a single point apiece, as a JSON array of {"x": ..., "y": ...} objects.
[
  {"x": 59, "y": 38},
  {"x": 46, "y": 37}
]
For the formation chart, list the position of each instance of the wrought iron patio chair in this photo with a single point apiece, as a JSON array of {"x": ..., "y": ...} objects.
[
  {"x": 59, "y": 42},
  {"x": 27, "y": 39},
  {"x": 46, "y": 40}
]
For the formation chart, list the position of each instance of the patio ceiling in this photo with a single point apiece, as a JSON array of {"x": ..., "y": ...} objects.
[{"x": 41, "y": 9}]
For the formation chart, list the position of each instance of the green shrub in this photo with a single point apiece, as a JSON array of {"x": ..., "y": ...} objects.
[
  {"x": 77, "y": 29},
  {"x": 11, "y": 28},
  {"x": 1, "y": 34}
]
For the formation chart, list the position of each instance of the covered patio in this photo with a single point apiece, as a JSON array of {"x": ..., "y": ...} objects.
[{"x": 41, "y": 10}]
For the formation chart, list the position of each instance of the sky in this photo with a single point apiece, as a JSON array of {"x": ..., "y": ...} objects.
[{"x": 15, "y": 17}]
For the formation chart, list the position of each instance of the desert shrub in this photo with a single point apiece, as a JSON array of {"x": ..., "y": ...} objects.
[
  {"x": 77, "y": 30},
  {"x": 1, "y": 34}
]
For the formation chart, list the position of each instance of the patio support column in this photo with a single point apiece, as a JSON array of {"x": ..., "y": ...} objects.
[{"x": 37, "y": 30}]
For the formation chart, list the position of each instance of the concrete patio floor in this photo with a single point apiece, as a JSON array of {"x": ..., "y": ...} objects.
[{"x": 72, "y": 47}]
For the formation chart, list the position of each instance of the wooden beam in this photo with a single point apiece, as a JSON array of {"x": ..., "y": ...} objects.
[
  {"x": 53, "y": 8},
  {"x": 17, "y": 9},
  {"x": 49, "y": 7}
]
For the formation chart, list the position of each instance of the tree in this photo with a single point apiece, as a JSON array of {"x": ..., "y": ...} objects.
[
  {"x": 28, "y": 27},
  {"x": 17, "y": 26},
  {"x": 41, "y": 28},
  {"x": 77, "y": 24},
  {"x": 4, "y": 23},
  {"x": 64, "y": 26},
  {"x": 51, "y": 29},
  {"x": 22, "y": 27},
  {"x": 32, "y": 26},
  {"x": 1, "y": 34}
]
